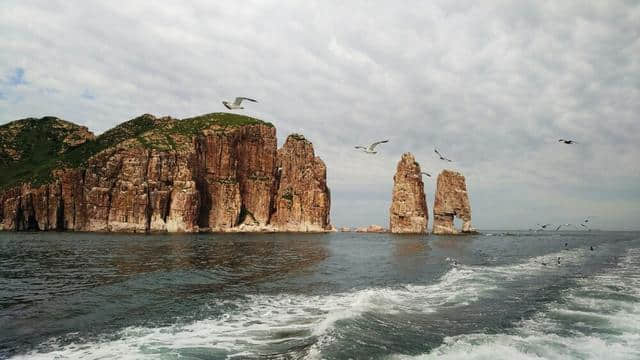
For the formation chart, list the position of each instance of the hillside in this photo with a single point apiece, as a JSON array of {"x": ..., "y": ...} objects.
[
  {"x": 216, "y": 172},
  {"x": 31, "y": 148}
]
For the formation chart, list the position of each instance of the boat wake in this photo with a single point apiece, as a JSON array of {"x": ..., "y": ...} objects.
[
  {"x": 302, "y": 326},
  {"x": 598, "y": 319}
]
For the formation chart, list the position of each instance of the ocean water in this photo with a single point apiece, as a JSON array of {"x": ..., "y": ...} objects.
[{"x": 517, "y": 295}]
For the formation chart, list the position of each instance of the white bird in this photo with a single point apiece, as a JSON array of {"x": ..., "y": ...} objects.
[
  {"x": 371, "y": 148},
  {"x": 236, "y": 103},
  {"x": 441, "y": 156},
  {"x": 585, "y": 226},
  {"x": 543, "y": 226},
  {"x": 561, "y": 225}
]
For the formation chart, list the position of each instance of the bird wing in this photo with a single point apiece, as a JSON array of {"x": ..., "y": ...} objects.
[
  {"x": 437, "y": 152},
  {"x": 429, "y": 175},
  {"x": 238, "y": 100},
  {"x": 558, "y": 228},
  {"x": 373, "y": 146},
  {"x": 360, "y": 147}
]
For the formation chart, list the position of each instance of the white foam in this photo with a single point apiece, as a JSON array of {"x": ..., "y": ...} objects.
[
  {"x": 263, "y": 320},
  {"x": 602, "y": 328}
]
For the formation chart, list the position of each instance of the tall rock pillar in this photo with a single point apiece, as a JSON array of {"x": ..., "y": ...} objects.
[
  {"x": 451, "y": 201},
  {"x": 408, "y": 212}
]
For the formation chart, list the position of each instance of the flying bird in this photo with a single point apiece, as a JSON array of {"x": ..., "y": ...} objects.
[
  {"x": 236, "y": 103},
  {"x": 585, "y": 226},
  {"x": 441, "y": 156},
  {"x": 561, "y": 225},
  {"x": 371, "y": 148},
  {"x": 544, "y": 226},
  {"x": 568, "y": 142}
]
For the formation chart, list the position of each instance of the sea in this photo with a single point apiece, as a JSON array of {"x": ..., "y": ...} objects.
[{"x": 495, "y": 295}]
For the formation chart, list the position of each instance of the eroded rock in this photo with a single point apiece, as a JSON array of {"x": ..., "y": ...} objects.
[
  {"x": 451, "y": 200},
  {"x": 172, "y": 176},
  {"x": 408, "y": 212}
]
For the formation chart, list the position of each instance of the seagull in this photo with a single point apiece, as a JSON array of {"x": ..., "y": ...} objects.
[
  {"x": 568, "y": 142},
  {"x": 561, "y": 225},
  {"x": 585, "y": 226},
  {"x": 236, "y": 103},
  {"x": 370, "y": 149},
  {"x": 441, "y": 157},
  {"x": 544, "y": 226}
]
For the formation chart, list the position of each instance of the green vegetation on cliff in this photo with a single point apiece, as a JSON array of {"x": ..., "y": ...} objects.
[{"x": 31, "y": 148}]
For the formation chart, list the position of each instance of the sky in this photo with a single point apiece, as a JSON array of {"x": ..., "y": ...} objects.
[{"x": 492, "y": 84}]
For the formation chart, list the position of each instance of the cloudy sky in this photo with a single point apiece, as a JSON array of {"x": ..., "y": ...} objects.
[{"x": 493, "y": 84}]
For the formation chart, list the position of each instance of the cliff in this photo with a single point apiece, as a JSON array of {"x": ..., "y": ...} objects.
[
  {"x": 451, "y": 200},
  {"x": 303, "y": 199},
  {"x": 216, "y": 172},
  {"x": 408, "y": 212}
]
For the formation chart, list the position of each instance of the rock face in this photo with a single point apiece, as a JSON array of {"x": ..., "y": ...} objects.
[
  {"x": 217, "y": 172},
  {"x": 451, "y": 201},
  {"x": 303, "y": 200},
  {"x": 408, "y": 212}
]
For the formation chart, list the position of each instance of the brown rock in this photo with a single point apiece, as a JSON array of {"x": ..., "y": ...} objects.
[
  {"x": 372, "y": 229},
  {"x": 302, "y": 200},
  {"x": 408, "y": 212},
  {"x": 451, "y": 200},
  {"x": 221, "y": 178}
]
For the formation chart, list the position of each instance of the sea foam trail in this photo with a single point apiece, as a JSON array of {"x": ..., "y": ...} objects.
[
  {"x": 260, "y": 322},
  {"x": 598, "y": 319}
]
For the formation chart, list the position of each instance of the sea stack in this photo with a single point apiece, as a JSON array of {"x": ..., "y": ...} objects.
[
  {"x": 302, "y": 202},
  {"x": 451, "y": 201},
  {"x": 408, "y": 212},
  {"x": 216, "y": 172}
]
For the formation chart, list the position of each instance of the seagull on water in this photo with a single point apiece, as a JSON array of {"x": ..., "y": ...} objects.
[
  {"x": 371, "y": 148},
  {"x": 568, "y": 142},
  {"x": 236, "y": 103},
  {"x": 441, "y": 156}
]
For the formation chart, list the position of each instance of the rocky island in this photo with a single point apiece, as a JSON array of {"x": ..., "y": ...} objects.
[
  {"x": 216, "y": 172},
  {"x": 408, "y": 213},
  {"x": 451, "y": 200}
]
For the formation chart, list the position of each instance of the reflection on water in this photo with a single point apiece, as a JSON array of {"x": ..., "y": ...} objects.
[{"x": 233, "y": 252}]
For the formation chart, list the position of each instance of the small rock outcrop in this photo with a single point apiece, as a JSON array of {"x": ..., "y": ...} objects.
[
  {"x": 451, "y": 200},
  {"x": 371, "y": 229},
  {"x": 216, "y": 172},
  {"x": 408, "y": 212}
]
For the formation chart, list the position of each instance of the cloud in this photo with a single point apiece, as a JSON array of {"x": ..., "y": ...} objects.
[{"x": 492, "y": 84}]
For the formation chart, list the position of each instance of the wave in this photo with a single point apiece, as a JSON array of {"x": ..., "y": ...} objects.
[
  {"x": 598, "y": 319},
  {"x": 258, "y": 324}
]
